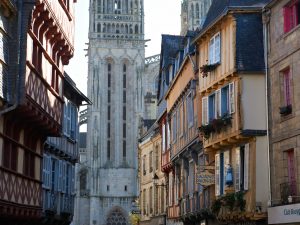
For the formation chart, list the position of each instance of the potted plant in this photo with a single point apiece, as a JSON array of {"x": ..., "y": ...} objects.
[
  {"x": 285, "y": 110},
  {"x": 207, "y": 68},
  {"x": 206, "y": 130}
]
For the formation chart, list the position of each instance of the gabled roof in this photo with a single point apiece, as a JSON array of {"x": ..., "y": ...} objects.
[
  {"x": 170, "y": 45},
  {"x": 219, "y": 8}
]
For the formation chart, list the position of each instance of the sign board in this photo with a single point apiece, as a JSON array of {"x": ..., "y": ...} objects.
[
  {"x": 136, "y": 211},
  {"x": 203, "y": 168},
  {"x": 206, "y": 178},
  {"x": 284, "y": 214}
]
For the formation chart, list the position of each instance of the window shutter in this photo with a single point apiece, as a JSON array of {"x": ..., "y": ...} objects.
[
  {"x": 168, "y": 135},
  {"x": 72, "y": 180},
  {"x": 49, "y": 170},
  {"x": 218, "y": 103},
  {"x": 211, "y": 51},
  {"x": 237, "y": 170},
  {"x": 287, "y": 87},
  {"x": 65, "y": 117},
  {"x": 205, "y": 110},
  {"x": 60, "y": 174},
  {"x": 224, "y": 101},
  {"x": 287, "y": 19},
  {"x": 231, "y": 98},
  {"x": 217, "y": 171},
  {"x": 218, "y": 48},
  {"x": 246, "y": 167},
  {"x": 44, "y": 171},
  {"x": 163, "y": 137}
]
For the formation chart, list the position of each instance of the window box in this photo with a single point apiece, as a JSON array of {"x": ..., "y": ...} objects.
[
  {"x": 215, "y": 125},
  {"x": 208, "y": 68},
  {"x": 285, "y": 110}
]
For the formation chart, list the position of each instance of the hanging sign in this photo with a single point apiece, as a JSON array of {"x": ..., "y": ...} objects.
[{"x": 206, "y": 178}]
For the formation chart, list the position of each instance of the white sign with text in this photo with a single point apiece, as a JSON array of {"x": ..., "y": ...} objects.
[{"x": 284, "y": 214}]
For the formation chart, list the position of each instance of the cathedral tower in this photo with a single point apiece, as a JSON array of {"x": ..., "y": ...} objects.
[
  {"x": 193, "y": 14},
  {"x": 107, "y": 183}
]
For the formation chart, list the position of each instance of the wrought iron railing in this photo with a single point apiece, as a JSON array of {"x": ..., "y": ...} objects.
[{"x": 289, "y": 193}]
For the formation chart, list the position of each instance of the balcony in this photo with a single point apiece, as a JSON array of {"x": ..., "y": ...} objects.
[
  {"x": 289, "y": 193},
  {"x": 64, "y": 145}
]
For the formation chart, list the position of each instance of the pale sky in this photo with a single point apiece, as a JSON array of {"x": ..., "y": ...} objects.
[{"x": 161, "y": 17}]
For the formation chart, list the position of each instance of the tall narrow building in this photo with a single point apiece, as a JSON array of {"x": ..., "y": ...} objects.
[{"x": 107, "y": 183}]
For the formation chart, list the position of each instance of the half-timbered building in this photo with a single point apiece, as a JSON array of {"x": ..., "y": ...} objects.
[
  {"x": 42, "y": 43},
  {"x": 233, "y": 110},
  {"x": 59, "y": 158}
]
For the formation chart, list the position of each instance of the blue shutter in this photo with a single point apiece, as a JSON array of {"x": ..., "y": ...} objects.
[
  {"x": 211, "y": 107},
  {"x": 205, "y": 110},
  {"x": 56, "y": 175},
  {"x": 60, "y": 175},
  {"x": 72, "y": 185},
  {"x": 224, "y": 101},
  {"x": 246, "y": 167}
]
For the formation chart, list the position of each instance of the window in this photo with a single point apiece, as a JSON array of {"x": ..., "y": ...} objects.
[
  {"x": 156, "y": 157},
  {"x": 291, "y": 15},
  {"x": 222, "y": 160},
  {"x": 287, "y": 92},
  {"x": 125, "y": 188},
  {"x": 107, "y": 188},
  {"x": 124, "y": 148},
  {"x": 108, "y": 150},
  {"x": 182, "y": 118},
  {"x": 291, "y": 171},
  {"x": 144, "y": 164},
  {"x": 168, "y": 135},
  {"x": 47, "y": 171},
  {"x": 70, "y": 119},
  {"x": 205, "y": 110},
  {"x": 144, "y": 202},
  {"x": 190, "y": 110},
  {"x": 163, "y": 137},
  {"x": 150, "y": 199},
  {"x": 124, "y": 130},
  {"x": 151, "y": 162},
  {"x": 215, "y": 49},
  {"x": 191, "y": 179},
  {"x": 219, "y": 103},
  {"x": 174, "y": 128},
  {"x": 241, "y": 167}
]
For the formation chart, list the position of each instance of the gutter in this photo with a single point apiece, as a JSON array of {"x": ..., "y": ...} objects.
[
  {"x": 266, "y": 14},
  {"x": 20, "y": 61}
]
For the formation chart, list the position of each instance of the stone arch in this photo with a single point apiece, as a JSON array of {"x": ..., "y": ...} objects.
[{"x": 116, "y": 216}]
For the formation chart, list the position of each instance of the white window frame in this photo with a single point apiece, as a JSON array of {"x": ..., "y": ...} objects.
[
  {"x": 215, "y": 49},
  {"x": 190, "y": 110},
  {"x": 205, "y": 110}
]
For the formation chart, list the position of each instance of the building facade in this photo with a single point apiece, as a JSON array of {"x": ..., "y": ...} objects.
[
  {"x": 233, "y": 115},
  {"x": 116, "y": 64},
  {"x": 282, "y": 51},
  {"x": 170, "y": 45},
  {"x": 42, "y": 33},
  {"x": 151, "y": 179},
  {"x": 59, "y": 158},
  {"x": 186, "y": 151}
]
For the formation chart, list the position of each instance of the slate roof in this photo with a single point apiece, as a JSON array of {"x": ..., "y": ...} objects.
[
  {"x": 170, "y": 44},
  {"x": 249, "y": 43},
  {"x": 221, "y": 7}
]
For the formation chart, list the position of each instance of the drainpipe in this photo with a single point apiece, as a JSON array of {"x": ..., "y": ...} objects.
[
  {"x": 21, "y": 54},
  {"x": 266, "y": 15}
]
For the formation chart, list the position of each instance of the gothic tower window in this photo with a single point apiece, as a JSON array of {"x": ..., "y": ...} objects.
[
  {"x": 109, "y": 69},
  {"x": 124, "y": 109},
  {"x": 99, "y": 6},
  {"x": 136, "y": 29},
  {"x": 197, "y": 11}
]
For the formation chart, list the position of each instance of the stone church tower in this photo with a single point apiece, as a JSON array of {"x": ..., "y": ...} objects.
[
  {"x": 193, "y": 14},
  {"x": 107, "y": 182}
]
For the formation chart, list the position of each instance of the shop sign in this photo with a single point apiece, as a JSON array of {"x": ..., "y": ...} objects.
[
  {"x": 206, "y": 178},
  {"x": 284, "y": 214}
]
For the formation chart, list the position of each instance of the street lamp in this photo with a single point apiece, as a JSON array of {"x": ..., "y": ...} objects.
[{"x": 155, "y": 180}]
